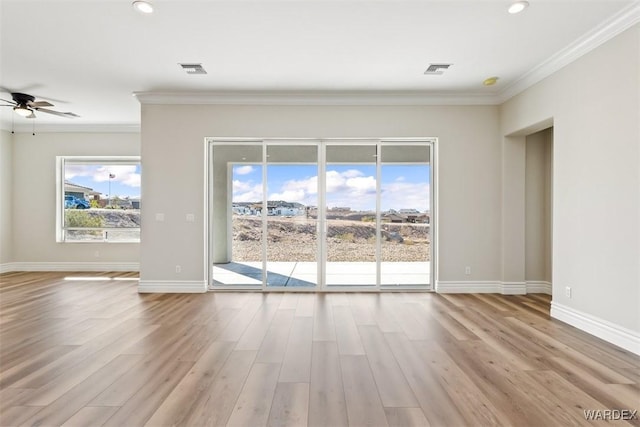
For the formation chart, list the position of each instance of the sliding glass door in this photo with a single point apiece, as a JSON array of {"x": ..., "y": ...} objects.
[
  {"x": 405, "y": 235},
  {"x": 291, "y": 216},
  {"x": 321, "y": 214},
  {"x": 351, "y": 221}
]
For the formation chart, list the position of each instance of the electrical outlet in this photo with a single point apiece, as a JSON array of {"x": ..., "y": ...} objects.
[
  {"x": 97, "y": 254},
  {"x": 178, "y": 269},
  {"x": 567, "y": 292},
  {"x": 467, "y": 270}
]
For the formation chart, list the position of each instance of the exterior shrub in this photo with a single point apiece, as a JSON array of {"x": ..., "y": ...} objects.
[{"x": 81, "y": 218}]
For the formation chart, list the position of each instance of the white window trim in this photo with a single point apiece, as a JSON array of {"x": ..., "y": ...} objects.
[{"x": 61, "y": 161}]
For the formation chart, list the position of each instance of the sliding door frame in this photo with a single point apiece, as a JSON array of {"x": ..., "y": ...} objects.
[{"x": 321, "y": 247}]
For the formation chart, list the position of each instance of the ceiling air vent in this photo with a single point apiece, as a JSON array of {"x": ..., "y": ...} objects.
[
  {"x": 437, "y": 69},
  {"x": 193, "y": 68}
]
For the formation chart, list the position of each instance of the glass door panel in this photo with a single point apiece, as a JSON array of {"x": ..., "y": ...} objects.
[
  {"x": 236, "y": 208},
  {"x": 351, "y": 219},
  {"x": 292, "y": 216},
  {"x": 405, "y": 216}
]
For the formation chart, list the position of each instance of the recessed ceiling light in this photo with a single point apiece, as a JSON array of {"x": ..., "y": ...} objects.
[
  {"x": 518, "y": 6},
  {"x": 490, "y": 81},
  {"x": 143, "y": 6}
]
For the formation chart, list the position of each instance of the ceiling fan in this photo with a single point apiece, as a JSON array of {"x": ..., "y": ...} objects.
[{"x": 26, "y": 106}]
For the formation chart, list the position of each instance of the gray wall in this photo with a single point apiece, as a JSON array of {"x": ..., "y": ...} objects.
[
  {"x": 34, "y": 193},
  {"x": 174, "y": 154},
  {"x": 595, "y": 111},
  {"x": 6, "y": 194},
  {"x": 538, "y": 208}
]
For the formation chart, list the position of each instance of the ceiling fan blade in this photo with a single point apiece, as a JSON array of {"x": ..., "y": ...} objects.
[
  {"x": 67, "y": 114},
  {"x": 10, "y": 102},
  {"x": 23, "y": 89},
  {"x": 36, "y": 104}
]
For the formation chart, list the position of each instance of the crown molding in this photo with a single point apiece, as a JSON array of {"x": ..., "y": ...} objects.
[
  {"x": 618, "y": 23},
  {"x": 72, "y": 128},
  {"x": 397, "y": 98}
]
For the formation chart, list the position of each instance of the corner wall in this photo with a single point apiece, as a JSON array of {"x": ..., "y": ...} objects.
[{"x": 595, "y": 109}]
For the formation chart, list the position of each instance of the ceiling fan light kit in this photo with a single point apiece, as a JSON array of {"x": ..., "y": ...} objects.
[{"x": 22, "y": 111}]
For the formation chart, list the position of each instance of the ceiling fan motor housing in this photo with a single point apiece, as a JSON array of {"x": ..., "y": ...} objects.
[{"x": 22, "y": 98}]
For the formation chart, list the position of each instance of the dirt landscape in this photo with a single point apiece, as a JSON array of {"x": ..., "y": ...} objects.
[
  {"x": 123, "y": 219},
  {"x": 294, "y": 239}
]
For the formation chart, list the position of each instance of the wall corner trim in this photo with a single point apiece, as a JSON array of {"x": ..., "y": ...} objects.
[
  {"x": 603, "y": 329},
  {"x": 514, "y": 288},
  {"x": 539, "y": 287},
  {"x": 172, "y": 286}
]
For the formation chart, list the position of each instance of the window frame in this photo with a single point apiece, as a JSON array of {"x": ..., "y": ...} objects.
[{"x": 61, "y": 163}]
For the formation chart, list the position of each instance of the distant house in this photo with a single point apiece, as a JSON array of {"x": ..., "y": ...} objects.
[
  {"x": 274, "y": 208},
  {"x": 395, "y": 218},
  {"x": 79, "y": 191},
  {"x": 409, "y": 211}
]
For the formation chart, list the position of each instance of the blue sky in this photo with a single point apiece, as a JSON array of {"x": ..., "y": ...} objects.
[
  {"x": 126, "y": 182},
  {"x": 354, "y": 186}
]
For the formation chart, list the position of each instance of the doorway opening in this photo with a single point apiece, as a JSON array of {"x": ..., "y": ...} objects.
[{"x": 321, "y": 214}]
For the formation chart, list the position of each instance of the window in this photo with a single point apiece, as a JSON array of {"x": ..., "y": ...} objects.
[{"x": 98, "y": 199}]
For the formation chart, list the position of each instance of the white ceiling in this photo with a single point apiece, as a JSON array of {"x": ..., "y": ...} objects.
[{"x": 94, "y": 55}]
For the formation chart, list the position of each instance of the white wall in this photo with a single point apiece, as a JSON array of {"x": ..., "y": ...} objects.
[
  {"x": 34, "y": 192},
  {"x": 595, "y": 109},
  {"x": 6, "y": 169},
  {"x": 173, "y": 153}
]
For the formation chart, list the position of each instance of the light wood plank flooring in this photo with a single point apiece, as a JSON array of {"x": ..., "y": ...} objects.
[{"x": 93, "y": 353}]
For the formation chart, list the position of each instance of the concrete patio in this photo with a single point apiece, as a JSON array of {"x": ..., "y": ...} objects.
[{"x": 305, "y": 274}]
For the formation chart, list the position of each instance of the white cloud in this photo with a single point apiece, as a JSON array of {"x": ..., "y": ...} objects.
[
  {"x": 344, "y": 189},
  {"x": 246, "y": 191},
  {"x": 243, "y": 170},
  {"x": 405, "y": 195},
  {"x": 125, "y": 174}
]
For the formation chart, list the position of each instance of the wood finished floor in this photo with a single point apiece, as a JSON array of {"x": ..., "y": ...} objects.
[{"x": 92, "y": 353}]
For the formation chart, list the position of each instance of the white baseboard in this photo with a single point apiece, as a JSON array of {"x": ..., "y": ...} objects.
[
  {"x": 478, "y": 287},
  {"x": 6, "y": 267},
  {"x": 538, "y": 287},
  {"x": 481, "y": 287},
  {"x": 172, "y": 286},
  {"x": 514, "y": 288},
  {"x": 69, "y": 266},
  {"x": 610, "y": 332}
]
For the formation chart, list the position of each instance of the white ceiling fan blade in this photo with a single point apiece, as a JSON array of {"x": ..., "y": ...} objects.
[
  {"x": 36, "y": 104},
  {"x": 67, "y": 114}
]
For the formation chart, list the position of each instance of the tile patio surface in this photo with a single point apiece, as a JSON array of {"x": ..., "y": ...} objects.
[{"x": 304, "y": 274}]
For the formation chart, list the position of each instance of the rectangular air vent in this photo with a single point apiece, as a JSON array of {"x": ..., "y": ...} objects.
[
  {"x": 437, "y": 69},
  {"x": 193, "y": 68}
]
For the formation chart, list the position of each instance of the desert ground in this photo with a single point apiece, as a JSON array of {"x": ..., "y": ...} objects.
[{"x": 294, "y": 239}]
